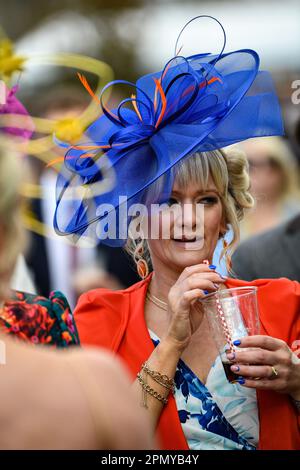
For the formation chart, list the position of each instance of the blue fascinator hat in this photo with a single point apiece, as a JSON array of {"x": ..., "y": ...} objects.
[{"x": 198, "y": 103}]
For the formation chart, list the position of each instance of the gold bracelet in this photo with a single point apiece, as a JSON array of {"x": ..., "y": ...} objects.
[
  {"x": 147, "y": 389},
  {"x": 161, "y": 379}
]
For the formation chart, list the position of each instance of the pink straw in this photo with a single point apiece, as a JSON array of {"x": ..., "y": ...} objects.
[
  {"x": 223, "y": 319},
  {"x": 224, "y": 324}
]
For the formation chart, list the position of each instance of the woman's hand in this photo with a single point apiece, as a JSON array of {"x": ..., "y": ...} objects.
[
  {"x": 183, "y": 317},
  {"x": 272, "y": 367}
]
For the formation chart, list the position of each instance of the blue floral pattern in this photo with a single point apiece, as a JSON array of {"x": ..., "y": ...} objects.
[{"x": 218, "y": 415}]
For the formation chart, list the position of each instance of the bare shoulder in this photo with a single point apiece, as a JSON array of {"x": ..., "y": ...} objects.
[
  {"x": 75, "y": 399},
  {"x": 119, "y": 420}
]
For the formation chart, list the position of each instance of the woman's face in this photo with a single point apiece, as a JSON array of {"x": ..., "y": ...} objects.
[
  {"x": 266, "y": 176},
  {"x": 194, "y": 221}
]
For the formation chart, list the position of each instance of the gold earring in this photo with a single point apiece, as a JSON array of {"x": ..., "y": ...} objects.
[
  {"x": 141, "y": 264},
  {"x": 142, "y": 268}
]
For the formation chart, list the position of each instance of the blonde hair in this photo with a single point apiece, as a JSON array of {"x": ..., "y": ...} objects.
[
  {"x": 280, "y": 153},
  {"x": 11, "y": 233},
  {"x": 229, "y": 171}
]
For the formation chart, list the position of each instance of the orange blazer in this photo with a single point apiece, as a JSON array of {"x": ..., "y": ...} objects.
[{"x": 115, "y": 320}]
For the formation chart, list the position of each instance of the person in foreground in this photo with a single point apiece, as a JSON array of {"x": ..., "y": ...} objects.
[
  {"x": 167, "y": 149},
  {"x": 49, "y": 399}
]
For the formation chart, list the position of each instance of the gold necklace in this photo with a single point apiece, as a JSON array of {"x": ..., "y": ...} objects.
[{"x": 160, "y": 303}]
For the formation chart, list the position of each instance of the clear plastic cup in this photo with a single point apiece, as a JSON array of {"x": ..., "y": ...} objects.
[{"x": 232, "y": 314}]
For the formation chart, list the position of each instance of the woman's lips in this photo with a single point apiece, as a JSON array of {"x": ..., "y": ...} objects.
[
  {"x": 184, "y": 239},
  {"x": 189, "y": 244}
]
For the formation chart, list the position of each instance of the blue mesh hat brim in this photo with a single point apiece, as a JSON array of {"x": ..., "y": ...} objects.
[{"x": 200, "y": 103}]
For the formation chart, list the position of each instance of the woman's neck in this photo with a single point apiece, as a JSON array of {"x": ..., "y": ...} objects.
[
  {"x": 164, "y": 277},
  {"x": 160, "y": 285}
]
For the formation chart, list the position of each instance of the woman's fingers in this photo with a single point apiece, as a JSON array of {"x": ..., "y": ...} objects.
[
  {"x": 191, "y": 295},
  {"x": 189, "y": 287},
  {"x": 258, "y": 372},
  {"x": 199, "y": 283},
  {"x": 253, "y": 356},
  {"x": 263, "y": 384},
  {"x": 188, "y": 298},
  {"x": 197, "y": 268},
  {"x": 212, "y": 276},
  {"x": 206, "y": 281},
  {"x": 261, "y": 341}
]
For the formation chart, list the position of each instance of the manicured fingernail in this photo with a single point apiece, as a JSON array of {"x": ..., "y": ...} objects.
[
  {"x": 212, "y": 266},
  {"x": 237, "y": 342},
  {"x": 235, "y": 368},
  {"x": 216, "y": 286},
  {"x": 205, "y": 292},
  {"x": 241, "y": 381},
  {"x": 231, "y": 356}
]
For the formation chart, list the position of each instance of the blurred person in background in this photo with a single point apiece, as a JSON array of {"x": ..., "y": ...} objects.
[
  {"x": 273, "y": 176},
  {"x": 21, "y": 279},
  {"x": 83, "y": 268},
  {"x": 9, "y": 104},
  {"x": 274, "y": 253},
  {"x": 49, "y": 399}
]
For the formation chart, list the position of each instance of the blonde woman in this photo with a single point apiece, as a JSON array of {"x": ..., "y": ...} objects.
[
  {"x": 206, "y": 412},
  {"x": 52, "y": 400},
  {"x": 167, "y": 149}
]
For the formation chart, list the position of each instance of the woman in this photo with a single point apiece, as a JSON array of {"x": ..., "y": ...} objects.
[
  {"x": 167, "y": 150},
  {"x": 89, "y": 410},
  {"x": 161, "y": 308}
]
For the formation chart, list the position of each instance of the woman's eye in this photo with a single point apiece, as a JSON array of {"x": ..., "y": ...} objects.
[
  {"x": 172, "y": 201},
  {"x": 208, "y": 200}
]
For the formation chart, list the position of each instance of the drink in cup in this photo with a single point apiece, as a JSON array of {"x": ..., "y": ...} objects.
[{"x": 232, "y": 314}]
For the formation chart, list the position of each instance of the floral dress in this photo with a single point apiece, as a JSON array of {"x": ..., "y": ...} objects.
[
  {"x": 39, "y": 320},
  {"x": 217, "y": 415}
]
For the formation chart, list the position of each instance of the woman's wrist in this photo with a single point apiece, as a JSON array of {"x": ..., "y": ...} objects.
[{"x": 172, "y": 346}]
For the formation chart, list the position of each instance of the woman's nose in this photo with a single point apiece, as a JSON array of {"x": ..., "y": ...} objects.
[{"x": 189, "y": 215}]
